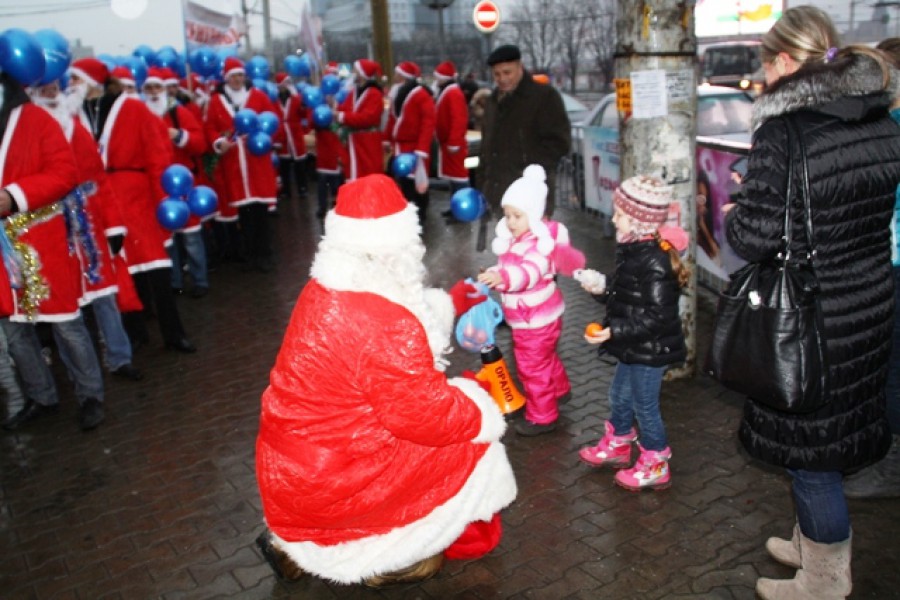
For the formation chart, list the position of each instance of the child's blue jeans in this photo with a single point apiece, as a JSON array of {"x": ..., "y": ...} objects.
[{"x": 634, "y": 393}]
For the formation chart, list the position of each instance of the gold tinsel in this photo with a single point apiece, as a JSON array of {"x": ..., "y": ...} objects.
[{"x": 34, "y": 286}]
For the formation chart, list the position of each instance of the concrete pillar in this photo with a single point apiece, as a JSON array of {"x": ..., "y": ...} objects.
[
  {"x": 381, "y": 36},
  {"x": 656, "y": 93}
]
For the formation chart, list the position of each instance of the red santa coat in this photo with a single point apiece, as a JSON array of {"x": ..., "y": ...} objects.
[
  {"x": 188, "y": 150},
  {"x": 378, "y": 460},
  {"x": 37, "y": 169},
  {"x": 292, "y": 133},
  {"x": 246, "y": 178},
  {"x": 413, "y": 128},
  {"x": 136, "y": 153},
  {"x": 361, "y": 114},
  {"x": 102, "y": 212},
  {"x": 331, "y": 154},
  {"x": 450, "y": 130}
]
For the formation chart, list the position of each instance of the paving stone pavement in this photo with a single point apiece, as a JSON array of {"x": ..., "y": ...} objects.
[{"x": 161, "y": 500}]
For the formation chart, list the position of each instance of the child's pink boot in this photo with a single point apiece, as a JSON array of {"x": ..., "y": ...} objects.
[
  {"x": 611, "y": 451},
  {"x": 651, "y": 471}
]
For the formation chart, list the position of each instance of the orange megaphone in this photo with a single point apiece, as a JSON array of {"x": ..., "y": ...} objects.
[{"x": 495, "y": 373}]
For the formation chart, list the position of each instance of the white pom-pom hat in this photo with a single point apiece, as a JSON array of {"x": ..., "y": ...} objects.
[{"x": 529, "y": 194}]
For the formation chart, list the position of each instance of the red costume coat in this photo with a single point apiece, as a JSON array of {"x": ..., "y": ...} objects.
[
  {"x": 136, "y": 154},
  {"x": 37, "y": 169},
  {"x": 291, "y": 135},
  {"x": 450, "y": 130},
  {"x": 361, "y": 114},
  {"x": 188, "y": 148},
  {"x": 331, "y": 154},
  {"x": 246, "y": 178},
  {"x": 361, "y": 439},
  {"x": 413, "y": 129}
]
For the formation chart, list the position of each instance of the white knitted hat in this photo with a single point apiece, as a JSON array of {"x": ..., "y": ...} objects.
[{"x": 528, "y": 194}]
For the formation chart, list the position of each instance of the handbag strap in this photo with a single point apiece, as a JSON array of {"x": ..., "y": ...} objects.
[
  {"x": 793, "y": 134},
  {"x": 788, "y": 229}
]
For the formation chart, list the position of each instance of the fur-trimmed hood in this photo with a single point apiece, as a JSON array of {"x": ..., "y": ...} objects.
[{"x": 848, "y": 88}]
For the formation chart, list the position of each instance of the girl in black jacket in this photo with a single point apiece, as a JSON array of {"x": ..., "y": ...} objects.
[{"x": 642, "y": 329}]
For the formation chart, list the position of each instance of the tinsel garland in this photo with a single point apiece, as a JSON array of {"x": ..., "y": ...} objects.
[
  {"x": 32, "y": 283},
  {"x": 79, "y": 229}
]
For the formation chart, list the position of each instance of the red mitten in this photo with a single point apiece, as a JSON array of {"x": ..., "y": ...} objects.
[
  {"x": 465, "y": 295},
  {"x": 485, "y": 385},
  {"x": 477, "y": 539}
]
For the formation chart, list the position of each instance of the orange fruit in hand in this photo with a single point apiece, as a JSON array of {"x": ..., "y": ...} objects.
[{"x": 593, "y": 329}]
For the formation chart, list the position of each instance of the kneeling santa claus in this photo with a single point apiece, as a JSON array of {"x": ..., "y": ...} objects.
[{"x": 372, "y": 464}]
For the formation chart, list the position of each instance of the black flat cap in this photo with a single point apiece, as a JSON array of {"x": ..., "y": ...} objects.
[{"x": 506, "y": 53}]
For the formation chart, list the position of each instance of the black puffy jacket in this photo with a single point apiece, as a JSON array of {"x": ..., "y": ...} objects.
[
  {"x": 642, "y": 307},
  {"x": 853, "y": 149}
]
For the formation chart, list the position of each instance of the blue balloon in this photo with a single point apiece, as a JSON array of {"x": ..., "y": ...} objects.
[
  {"x": 57, "y": 54},
  {"x": 21, "y": 56},
  {"x": 312, "y": 96},
  {"x": 294, "y": 66},
  {"x": 467, "y": 204},
  {"x": 202, "y": 201},
  {"x": 258, "y": 68},
  {"x": 204, "y": 61},
  {"x": 322, "y": 116},
  {"x": 109, "y": 60},
  {"x": 167, "y": 58},
  {"x": 177, "y": 180},
  {"x": 173, "y": 213},
  {"x": 330, "y": 85},
  {"x": 259, "y": 143},
  {"x": 146, "y": 52},
  {"x": 268, "y": 122},
  {"x": 246, "y": 121},
  {"x": 259, "y": 84},
  {"x": 272, "y": 90},
  {"x": 138, "y": 68},
  {"x": 404, "y": 164},
  {"x": 341, "y": 95}
]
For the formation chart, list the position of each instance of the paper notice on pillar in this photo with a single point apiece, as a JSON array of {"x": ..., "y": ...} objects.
[{"x": 648, "y": 94}]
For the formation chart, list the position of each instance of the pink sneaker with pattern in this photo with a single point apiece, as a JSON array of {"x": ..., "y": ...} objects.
[
  {"x": 611, "y": 451},
  {"x": 651, "y": 471}
]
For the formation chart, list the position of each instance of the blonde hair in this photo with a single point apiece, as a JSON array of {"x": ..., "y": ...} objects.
[{"x": 807, "y": 35}]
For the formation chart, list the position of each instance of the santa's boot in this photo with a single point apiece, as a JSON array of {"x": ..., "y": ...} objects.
[
  {"x": 420, "y": 571},
  {"x": 282, "y": 564},
  {"x": 787, "y": 552},
  {"x": 611, "y": 451},
  {"x": 650, "y": 472},
  {"x": 824, "y": 574}
]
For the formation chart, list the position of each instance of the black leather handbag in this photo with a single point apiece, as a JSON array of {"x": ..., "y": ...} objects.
[{"x": 767, "y": 337}]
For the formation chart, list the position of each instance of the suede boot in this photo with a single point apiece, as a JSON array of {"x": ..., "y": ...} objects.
[
  {"x": 825, "y": 574},
  {"x": 787, "y": 552}
]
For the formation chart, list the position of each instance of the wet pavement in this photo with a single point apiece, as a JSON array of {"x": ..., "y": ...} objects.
[{"x": 161, "y": 500}]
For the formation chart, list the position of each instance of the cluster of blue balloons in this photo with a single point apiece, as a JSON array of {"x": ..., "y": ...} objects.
[
  {"x": 259, "y": 129},
  {"x": 183, "y": 198},
  {"x": 297, "y": 66},
  {"x": 34, "y": 59},
  {"x": 467, "y": 204}
]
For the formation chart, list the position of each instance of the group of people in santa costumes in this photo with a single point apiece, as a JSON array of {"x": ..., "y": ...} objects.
[{"x": 373, "y": 466}]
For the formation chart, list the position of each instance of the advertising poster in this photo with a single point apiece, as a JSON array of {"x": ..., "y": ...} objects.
[
  {"x": 716, "y": 187},
  {"x": 601, "y": 167}
]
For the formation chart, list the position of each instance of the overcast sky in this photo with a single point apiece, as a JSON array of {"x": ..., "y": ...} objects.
[{"x": 95, "y": 24}]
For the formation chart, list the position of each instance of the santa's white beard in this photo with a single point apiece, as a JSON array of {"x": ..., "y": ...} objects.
[
  {"x": 57, "y": 107},
  {"x": 238, "y": 97},
  {"x": 397, "y": 275},
  {"x": 75, "y": 95},
  {"x": 157, "y": 104}
]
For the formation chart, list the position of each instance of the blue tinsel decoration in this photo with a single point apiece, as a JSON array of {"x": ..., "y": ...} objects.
[{"x": 79, "y": 229}]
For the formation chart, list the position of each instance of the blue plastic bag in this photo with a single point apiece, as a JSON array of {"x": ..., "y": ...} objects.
[{"x": 475, "y": 328}]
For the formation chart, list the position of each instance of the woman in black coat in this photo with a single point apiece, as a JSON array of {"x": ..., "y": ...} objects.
[{"x": 839, "y": 101}]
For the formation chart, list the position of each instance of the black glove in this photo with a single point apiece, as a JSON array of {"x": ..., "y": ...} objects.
[{"x": 115, "y": 243}]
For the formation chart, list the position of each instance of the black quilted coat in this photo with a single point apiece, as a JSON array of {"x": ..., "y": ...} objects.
[
  {"x": 853, "y": 148},
  {"x": 642, "y": 307}
]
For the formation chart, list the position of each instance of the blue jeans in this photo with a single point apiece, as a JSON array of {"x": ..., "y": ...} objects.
[
  {"x": 634, "y": 392},
  {"x": 821, "y": 506},
  {"x": 8, "y": 382},
  {"x": 112, "y": 332},
  {"x": 195, "y": 249},
  {"x": 76, "y": 349},
  {"x": 25, "y": 350},
  {"x": 892, "y": 389}
]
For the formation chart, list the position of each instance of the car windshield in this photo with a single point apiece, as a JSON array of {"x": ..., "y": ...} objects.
[
  {"x": 573, "y": 104},
  {"x": 723, "y": 114}
]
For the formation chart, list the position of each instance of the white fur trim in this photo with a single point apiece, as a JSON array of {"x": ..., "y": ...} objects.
[
  {"x": 491, "y": 487},
  {"x": 87, "y": 78},
  {"x": 396, "y": 230},
  {"x": 18, "y": 195},
  {"x": 493, "y": 425},
  {"x": 440, "y": 306}
]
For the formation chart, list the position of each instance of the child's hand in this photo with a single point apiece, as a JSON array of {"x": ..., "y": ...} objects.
[
  {"x": 591, "y": 281},
  {"x": 601, "y": 337},
  {"x": 490, "y": 278}
]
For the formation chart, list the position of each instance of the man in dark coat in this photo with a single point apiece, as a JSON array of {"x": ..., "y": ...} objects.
[{"x": 524, "y": 123}]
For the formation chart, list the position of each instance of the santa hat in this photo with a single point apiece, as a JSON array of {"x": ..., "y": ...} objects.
[
  {"x": 124, "y": 75},
  {"x": 191, "y": 84},
  {"x": 331, "y": 68},
  {"x": 528, "y": 194},
  {"x": 282, "y": 78},
  {"x": 232, "y": 66},
  {"x": 91, "y": 70},
  {"x": 367, "y": 68},
  {"x": 408, "y": 69},
  {"x": 645, "y": 199},
  {"x": 155, "y": 75},
  {"x": 371, "y": 213},
  {"x": 170, "y": 77},
  {"x": 444, "y": 71}
]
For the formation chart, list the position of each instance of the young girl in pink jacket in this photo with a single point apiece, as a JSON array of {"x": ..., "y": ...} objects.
[{"x": 532, "y": 304}]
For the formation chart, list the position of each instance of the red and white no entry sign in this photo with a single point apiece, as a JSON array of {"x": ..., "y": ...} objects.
[{"x": 486, "y": 16}]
